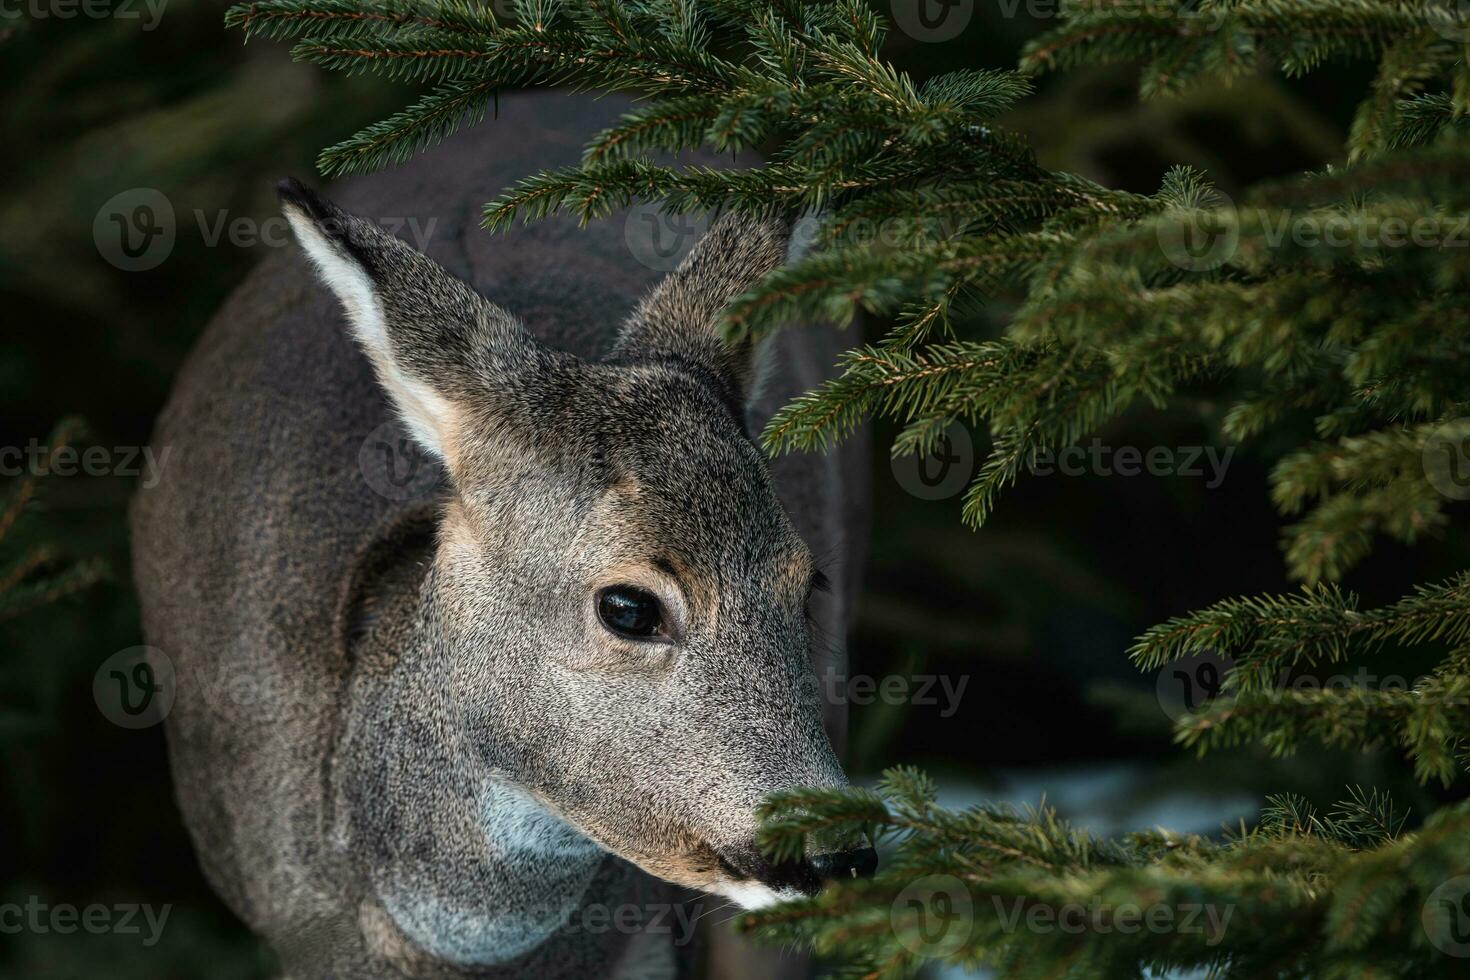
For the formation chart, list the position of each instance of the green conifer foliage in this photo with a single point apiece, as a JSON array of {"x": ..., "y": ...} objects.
[{"x": 1339, "y": 298}]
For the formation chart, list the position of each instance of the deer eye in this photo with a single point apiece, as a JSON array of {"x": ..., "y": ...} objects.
[{"x": 631, "y": 612}]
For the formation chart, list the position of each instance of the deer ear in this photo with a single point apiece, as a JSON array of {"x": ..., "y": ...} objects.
[
  {"x": 434, "y": 342},
  {"x": 679, "y": 319}
]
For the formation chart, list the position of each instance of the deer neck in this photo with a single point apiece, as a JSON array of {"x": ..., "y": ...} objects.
[{"x": 467, "y": 864}]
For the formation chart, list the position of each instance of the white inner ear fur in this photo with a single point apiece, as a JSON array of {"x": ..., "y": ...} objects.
[{"x": 427, "y": 414}]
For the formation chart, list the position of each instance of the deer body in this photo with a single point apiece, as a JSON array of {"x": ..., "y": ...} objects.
[{"x": 421, "y": 727}]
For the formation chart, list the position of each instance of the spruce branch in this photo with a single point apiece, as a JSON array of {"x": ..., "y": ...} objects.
[{"x": 1319, "y": 308}]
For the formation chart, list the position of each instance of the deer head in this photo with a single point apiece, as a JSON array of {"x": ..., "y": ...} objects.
[{"x": 611, "y": 643}]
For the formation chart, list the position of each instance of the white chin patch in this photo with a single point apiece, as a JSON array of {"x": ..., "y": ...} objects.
[{"x": 753, "y": 895}]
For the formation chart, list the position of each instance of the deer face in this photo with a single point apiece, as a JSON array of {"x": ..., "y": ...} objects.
[{"x": 617, "y": 608}]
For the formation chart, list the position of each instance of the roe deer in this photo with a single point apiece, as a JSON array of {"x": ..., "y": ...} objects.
[{"x": 419, "y": 734}]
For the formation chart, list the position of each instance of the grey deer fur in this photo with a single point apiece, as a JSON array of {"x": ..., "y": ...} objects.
[{"x": 401, "y": 740}]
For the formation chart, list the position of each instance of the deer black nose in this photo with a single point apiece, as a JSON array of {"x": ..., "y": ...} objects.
[{"x": 860, "y": 862}]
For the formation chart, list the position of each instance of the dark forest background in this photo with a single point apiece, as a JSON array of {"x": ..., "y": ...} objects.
[{"x": 1037, "y": 610}]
